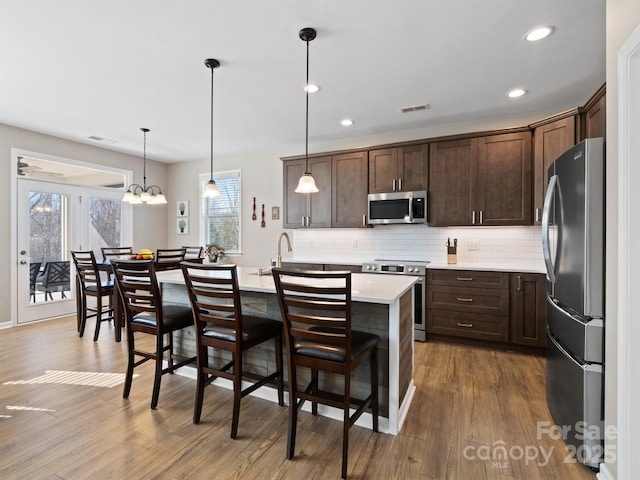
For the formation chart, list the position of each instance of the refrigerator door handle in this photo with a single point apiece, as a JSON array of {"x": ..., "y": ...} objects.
[{"x": 546, "y": 224}]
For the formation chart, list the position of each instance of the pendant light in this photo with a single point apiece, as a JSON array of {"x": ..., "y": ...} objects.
[
  {"x": 137, "y": 194},
  {"x": 211, "y": 190},
  {"x": 307, "y": 184}
]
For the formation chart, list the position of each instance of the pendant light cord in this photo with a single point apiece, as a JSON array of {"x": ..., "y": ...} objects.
[
  {"x": 211, "y": 179},
  {"x": 144, "y": 160},
  {"x": 306, "y": 141}
]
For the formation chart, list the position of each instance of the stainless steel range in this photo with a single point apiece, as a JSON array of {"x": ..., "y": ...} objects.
[{"x": 407, "y": 267}]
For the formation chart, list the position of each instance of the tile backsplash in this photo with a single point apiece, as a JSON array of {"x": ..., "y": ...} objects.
[{"x": 506, "y": 246}]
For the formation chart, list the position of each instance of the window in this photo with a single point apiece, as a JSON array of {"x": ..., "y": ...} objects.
[{"x": 221, "y": 216}]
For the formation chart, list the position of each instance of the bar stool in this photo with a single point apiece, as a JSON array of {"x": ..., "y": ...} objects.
[
  {"x": 145, "y": 313},
  {"x": 220, "y": 325},
  {"x": 316, "y": 311},
  {"x": 91, "y": 285}
]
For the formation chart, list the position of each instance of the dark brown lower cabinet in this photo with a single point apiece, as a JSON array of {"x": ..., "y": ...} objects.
[
  {"x": 498, "y": 309},
  {"x": 527, "y": 309}
]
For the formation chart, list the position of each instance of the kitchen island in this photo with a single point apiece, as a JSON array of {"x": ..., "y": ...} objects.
[{"x": 381, "y": 304}]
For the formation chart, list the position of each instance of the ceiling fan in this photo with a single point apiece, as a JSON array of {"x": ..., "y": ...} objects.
[{"x": 26, "y": 170}]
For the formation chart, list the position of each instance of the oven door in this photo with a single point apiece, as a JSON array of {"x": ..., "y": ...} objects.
[{"x": 419, "y": 310}]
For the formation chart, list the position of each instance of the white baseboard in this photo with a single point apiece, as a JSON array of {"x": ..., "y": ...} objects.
[{"x": 270, "y": 393}]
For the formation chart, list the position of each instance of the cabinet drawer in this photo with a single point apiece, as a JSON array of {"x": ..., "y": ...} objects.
[
  {"x": 468, "y": 278},
  {"x": 469, "y": 325},
  {"x": 478, "y": 300}
]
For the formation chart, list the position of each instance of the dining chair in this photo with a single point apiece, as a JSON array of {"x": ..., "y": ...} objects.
[
  {"x": 115, "y": 252},
  {"x": 146, "y": 314},
  {"x": 91, "y": 285},
  {"x": 316, "y": 312},
  {"x": 193, "y": 254},
  {"x": 34, "y": 270},
  {"x": 169, "y": 258},
  {"x": 57, "y": 278},
  {"x": 220, "y": 325}
]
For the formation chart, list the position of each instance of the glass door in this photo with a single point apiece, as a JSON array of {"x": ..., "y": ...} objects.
[
  {"x": 47, "y": 228},
  {"x": 54, "y": 219}
]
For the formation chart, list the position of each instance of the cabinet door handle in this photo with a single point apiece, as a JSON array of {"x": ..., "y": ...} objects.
[
  {"x": 473, "y": 217},
  {"x": 466, "y": 325},
  {"x": 481, "y": 217},
  {"x": 465, "y": 299},
  {"x": 465, "y": 279},
  {"x": 399, "y": 184},
  {"x": 537, "y": 214},
  {"x": 304, "y": 221},
  {"x": 393, "y": 185},
  {"x": 519, "y": 287},
  {"x": 364, "y": 219}
]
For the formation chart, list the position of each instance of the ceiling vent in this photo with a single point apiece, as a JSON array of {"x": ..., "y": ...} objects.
[
  {"x": 96, "y": 138},
  {"x": 415, "y": 108}
]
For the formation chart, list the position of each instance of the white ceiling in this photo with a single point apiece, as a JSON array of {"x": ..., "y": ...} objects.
[{"x": 81, "y": 68}]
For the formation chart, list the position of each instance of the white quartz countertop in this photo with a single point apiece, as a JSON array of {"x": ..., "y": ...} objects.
[
  {"x": 365, "y": 287},
  {"x": 490, "y": 267}
]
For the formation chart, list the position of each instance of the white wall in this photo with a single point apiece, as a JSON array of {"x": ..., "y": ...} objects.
[
  {"x": 622, "y": 18},
  {"x": 149, "y": 223}
]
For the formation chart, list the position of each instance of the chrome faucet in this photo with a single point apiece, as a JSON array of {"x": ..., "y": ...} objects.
[{"x": 279, "y": 258}]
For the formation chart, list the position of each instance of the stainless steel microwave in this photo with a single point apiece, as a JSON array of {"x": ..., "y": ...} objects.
[{"x": 397, "y": 207}]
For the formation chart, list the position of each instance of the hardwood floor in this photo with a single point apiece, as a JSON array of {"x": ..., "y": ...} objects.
[{"x": 469, "y": 402}]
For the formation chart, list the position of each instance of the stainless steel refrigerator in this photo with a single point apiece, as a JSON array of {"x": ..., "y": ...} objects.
[{"x": 573, "y": 247}]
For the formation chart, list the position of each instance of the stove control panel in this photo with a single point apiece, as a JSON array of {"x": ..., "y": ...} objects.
[{"x": 395, "y": 268}]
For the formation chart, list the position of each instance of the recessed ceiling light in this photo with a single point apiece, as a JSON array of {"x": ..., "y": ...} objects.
[
  {"x": 516, "y": 92},
  {"x": 347, "y": 122},
  {"x": 311, "y": 88},
  {"x": 538, "y": 33}
]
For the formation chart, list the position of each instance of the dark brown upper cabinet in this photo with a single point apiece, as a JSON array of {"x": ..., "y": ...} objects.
[
  {"x": 481, "y": 181},
  {"x": 594, "y": 121},
  {"x": 349, "y": 195},
  {"x": 550, "y": 141},
  {"x": 307, "y": 209},
  {"x": 398, "y": 169}
]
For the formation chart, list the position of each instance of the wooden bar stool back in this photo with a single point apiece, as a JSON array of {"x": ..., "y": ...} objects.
[
  {"x": 193, "y": 254},
  {"x": 145, "y": 314},
  {"x": 316, "y": 311},
  {"x": 121, "y": 253},
  {"x": 169, "y": 258},
  {"x": 91, "y": 285},
  {"x": 220, "y": 325}
]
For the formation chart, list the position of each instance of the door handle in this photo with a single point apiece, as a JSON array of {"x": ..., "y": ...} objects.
[
  {"x": 473, "y": 217},
  {"x": 546, "y": 225},
  {"x": 399, "y": 184},
  {"x": 393, "y": 185},
  {"x": 23, "y": 262}
]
